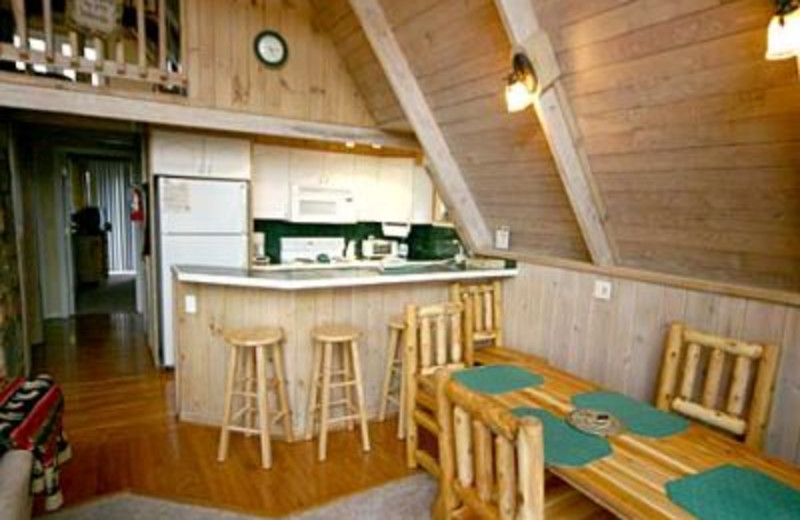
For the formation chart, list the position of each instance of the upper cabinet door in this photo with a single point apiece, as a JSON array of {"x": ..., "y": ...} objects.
[
  {"x": 365, "y": 188},
  {"x": 270, "y": 182},
  {"x": 422, "y": 196},
  {"x": 307, "y": 167},
  {"x": 195, "y": 155},
  {"x": 176, "y": 153},
  {"x": 395, "y": 185},
  {"x": 340, "y": 170},
  {"x": 227, "y": 158}
]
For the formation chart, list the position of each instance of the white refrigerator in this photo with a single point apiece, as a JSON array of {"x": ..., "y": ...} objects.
[{"x": 199, "y": 222}]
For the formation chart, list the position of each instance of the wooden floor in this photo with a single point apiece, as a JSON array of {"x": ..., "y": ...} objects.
[{"x": 119, "y": 419}]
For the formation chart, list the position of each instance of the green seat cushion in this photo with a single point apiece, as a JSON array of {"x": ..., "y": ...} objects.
[
  {"x": 563, "y": 444},
  {"x": 497, "y": 379},
  {"x": 729, "y": 491},
  {"x": 638, "y": 417}
]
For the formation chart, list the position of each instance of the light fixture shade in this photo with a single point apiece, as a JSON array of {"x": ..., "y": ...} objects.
[
  {"x": 783, "y": 36},
  {"x": 521, "y": 84},
  {"x": 518, "y": 96}
]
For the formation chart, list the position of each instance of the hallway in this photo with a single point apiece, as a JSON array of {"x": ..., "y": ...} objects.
[
  {"x": 117, "y": 294},
  {"x": 120, "y": 420}
]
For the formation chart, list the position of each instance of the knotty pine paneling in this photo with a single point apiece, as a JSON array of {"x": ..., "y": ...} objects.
[
  {"x": 202, "y": 350},
  {"x": 618, "y": 343},
  {"x": 224, "y": 72},
  {"x": 459, "y": 54},
  {"x": 692, "y": 135},
  {"x": 342, "y": 27}
]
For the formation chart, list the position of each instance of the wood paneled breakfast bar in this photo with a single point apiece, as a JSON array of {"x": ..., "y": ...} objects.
[{"x": 210, "y": 301}]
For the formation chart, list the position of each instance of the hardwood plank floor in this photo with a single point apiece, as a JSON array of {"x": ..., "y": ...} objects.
[{"x": 120, "y": 420}]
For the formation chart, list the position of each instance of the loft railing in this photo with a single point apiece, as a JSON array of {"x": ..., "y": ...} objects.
[{"x": 142, "y": 45}]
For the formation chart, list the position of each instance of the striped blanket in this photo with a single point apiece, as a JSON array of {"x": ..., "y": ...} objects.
[{"x": 31, "y": 412}]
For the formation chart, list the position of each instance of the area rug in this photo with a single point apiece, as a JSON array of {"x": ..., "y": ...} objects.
[{"x": 409, "y": 498}]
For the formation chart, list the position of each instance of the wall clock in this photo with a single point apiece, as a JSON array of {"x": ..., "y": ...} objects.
[{"x": 271, "y": 48}]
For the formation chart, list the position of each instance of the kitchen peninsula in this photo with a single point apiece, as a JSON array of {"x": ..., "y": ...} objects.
[{"x": 212, "y": 300}]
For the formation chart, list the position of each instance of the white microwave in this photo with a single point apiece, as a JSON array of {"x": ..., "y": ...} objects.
[{"x": 321, "y": 204}]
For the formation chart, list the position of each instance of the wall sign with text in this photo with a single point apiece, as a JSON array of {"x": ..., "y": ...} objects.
[{"x": 96, "y": 17}]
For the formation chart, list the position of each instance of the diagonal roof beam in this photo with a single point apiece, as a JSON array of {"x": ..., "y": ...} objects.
[
  {"x": 560, "y": 127},
  {"x": 448, "y": 174}
]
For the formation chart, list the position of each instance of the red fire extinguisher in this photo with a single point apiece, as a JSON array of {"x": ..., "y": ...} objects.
[{"x": 137, "y": 206}]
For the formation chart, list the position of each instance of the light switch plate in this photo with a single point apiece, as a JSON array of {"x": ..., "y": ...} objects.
[
  {"x": 502, "y": 237},
  {"x": 190, "y": 304},
  {"x": 602, "y": 289}
]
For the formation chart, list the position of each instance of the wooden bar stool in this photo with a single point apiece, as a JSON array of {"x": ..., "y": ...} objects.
[
  {"x": 324, "y": 380},
  {"x": 394, "y": 369},
  {"x": 250, "y": 352}
]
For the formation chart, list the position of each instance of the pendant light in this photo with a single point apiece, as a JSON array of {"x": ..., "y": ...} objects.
[
  {"x": 521, "y": 84},
  {"x": 783, "y": 34}
]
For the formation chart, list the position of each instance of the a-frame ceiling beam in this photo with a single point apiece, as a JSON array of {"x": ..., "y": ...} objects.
[
  {"x": 448, "y": 174},
  {"x": 558, "y": 122}
]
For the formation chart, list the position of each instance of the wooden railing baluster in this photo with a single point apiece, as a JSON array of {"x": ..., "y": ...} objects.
[
  {"x": 162, "y": 38},
  {"x": 22, "y": 26},
  {"x": 47, "y": 9},
  {"x": 141, "y": 35}
]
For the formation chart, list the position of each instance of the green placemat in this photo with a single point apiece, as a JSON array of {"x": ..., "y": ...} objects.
[
  {"x": 563, "y": 444},
  {"x": 730, "y": 492},
  {"x": 497, "y": 379},
  {"x": 638, "y": 417}
]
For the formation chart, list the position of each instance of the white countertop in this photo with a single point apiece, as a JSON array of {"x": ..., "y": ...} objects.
[{"x": 330, "y": 276}]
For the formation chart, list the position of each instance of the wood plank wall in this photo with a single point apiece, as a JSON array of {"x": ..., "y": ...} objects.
[
  {"x": 460, "y": 56},
  {"x": 618, "y": 343},
  {"x": 692, "y": 134},
  {"x": 224, "y": 72},
  {"x": 203, "y": 352},
  {"x": 340, "y": 22}
]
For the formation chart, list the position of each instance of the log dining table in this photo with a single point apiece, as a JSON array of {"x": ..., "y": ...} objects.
[{"x": 631, "y": 481}]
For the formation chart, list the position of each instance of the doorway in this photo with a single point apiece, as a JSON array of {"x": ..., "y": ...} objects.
[{"x": 103, "y": 236}]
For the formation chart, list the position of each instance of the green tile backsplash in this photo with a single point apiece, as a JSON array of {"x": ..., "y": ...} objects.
[{"x": 425, "y": 242}]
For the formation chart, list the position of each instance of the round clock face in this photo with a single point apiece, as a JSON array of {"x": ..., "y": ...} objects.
[{"x": 271, "y": 48}]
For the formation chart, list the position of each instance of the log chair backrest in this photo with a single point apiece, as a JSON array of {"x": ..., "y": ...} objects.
[
  {"x": 434, "y": 338},
  {"x": 723, "y": 382},
  {"x": 483, "y": 312},
  {"x": 492, "y": 463}
]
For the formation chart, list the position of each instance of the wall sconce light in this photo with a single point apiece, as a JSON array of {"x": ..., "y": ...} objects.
[
  {"x": 783, "y": 34},
  {"x": 521, "y": 85}
]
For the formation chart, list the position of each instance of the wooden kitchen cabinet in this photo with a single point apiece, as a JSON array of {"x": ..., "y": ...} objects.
[
  {"x": 198, "y": 155},
  {"x": 422, "y": 194},
  {"x": 173, "y": 153},
  {"x": 227, "y": 157},
  {"x": 269, "y": 185},
  {"x": 306, "y": 167},
  {"x": 385, "y": 189},
  {"x": 395, "y": 186},
  {"x": 365, "y": 177},
  {"x": 339, "y": 171}
]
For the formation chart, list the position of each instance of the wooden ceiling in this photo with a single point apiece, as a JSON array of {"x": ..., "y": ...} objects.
[
  {"x": 693, "y": 138},
  {"x": 336, "y": 17},
  {"x": 459, "y": 54}
]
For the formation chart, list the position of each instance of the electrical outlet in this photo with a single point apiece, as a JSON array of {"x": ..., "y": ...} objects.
[
  {"x": 502, "y": 237},
  {"x": 190, "y": 304},
  {"x": 602, "y": 289}
]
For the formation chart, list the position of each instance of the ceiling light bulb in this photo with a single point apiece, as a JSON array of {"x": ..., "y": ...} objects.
[
  {"x": 783, "y": 36},
  {"x": 518, "y": 96}
]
